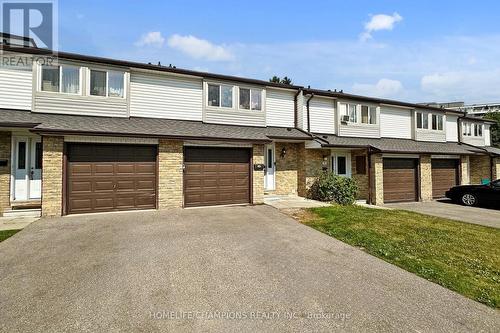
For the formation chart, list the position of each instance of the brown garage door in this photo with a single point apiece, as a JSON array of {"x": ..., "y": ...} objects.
[
  {"x": 444, "y": 176},
  {"x": 400, "y": 180},
  {"x": 216, "y": 176},
  {"x": 102, "y": 177}
]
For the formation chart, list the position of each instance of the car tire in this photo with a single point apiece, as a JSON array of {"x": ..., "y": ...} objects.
[{"x": 468, "y": 199}]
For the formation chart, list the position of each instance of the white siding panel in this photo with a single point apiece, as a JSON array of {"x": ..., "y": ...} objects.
[
  {"x": 487, "y": 135},
  {"x": 475, "y": 141},
  {"x": 16, "y": 88},
  {"x": 395, "y": 123},
  {"x": 79, "y": 105},
  {"x": 280, "y": 108},
  {"x": 359, "y": 130},
  {"x": 156, "y": 96},
  {"x": 322, "y": 115},
  {"x": 451, "y": 128},
  {"x": 430, "y": 135},
  {"x": 228, "y": 117}
]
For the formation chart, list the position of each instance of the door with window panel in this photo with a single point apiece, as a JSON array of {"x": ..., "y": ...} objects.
[
  {"x": 340, "y": 163},
  {"x": 27, "y": 168}
]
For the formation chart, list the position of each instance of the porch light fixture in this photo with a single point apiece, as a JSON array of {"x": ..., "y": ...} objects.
[{"x": 283, "y": 152}]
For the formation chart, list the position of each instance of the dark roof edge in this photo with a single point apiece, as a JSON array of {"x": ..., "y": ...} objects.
[
  {"x": 334, "y": 94},
  {"x": 57, "y": 132},
  {"x": 19, "y": 124},
  {"x": 132, "y": 64}
]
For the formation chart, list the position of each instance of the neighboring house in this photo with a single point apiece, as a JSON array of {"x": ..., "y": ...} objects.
[
  {"x": 474, "y": 110},
  {"x": 94, "y": 135}
]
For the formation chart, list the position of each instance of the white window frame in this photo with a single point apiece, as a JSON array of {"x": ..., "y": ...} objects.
[
  {"x": 334, "y": 163},
  {"x": 60, "y": 66},
  {"x": 89, "y": 70},
  {"x": 428, "y": 116},
  {"x": 220, "y": 96},
  {"x": 360, "y": 114},
  {"x": 261, "y": 91}
]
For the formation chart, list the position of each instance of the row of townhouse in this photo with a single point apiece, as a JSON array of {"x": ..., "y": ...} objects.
[{"x": 92, "y": 134}]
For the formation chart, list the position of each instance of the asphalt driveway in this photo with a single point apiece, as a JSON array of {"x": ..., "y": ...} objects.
[
  {"x": 214, "y": 269},
  {"x": 489, "y": 217}
]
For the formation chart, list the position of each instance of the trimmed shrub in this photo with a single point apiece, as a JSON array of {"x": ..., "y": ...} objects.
[{"x": 330, "y": 187}]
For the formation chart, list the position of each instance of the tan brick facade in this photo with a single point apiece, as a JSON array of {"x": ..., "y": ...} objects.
[
  {"x": 464, "y": 170},
  {"x": 258, "y": 176},
  {"x": 496, "y": 168},
  {"x": 316, "y": 162},
  {"x": 361, "y": 179},
  {"x": 377, "y": 179},
  {"x": 170, "y": 174},
  {"x": 52, "y": 176},
  {"x": 5, "y": 154},
  {"x": 479, "y": 168},
  {"x": 287, "y": 168},
  {"x": 301, "y": 171},
  {"x": 425, "y": 176}
]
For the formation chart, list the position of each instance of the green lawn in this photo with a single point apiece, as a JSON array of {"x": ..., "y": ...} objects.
[
  {"x": 4, "y": 234},
  {"x": 459, "y": 256}
]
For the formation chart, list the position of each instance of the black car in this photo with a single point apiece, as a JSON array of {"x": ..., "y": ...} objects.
[{"x": 473, "y": 195}]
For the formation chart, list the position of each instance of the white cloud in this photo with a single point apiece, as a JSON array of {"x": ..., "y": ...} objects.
[
  {"x": 468, "y": 85},
  {"x": 380, "y": 22},
  {"x": 383, "y": 88},
  {"x": 152, "y": 38},
  {"x": 199, "y": 48}
]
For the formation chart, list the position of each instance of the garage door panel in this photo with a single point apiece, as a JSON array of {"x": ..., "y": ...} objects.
[
  {"x": 400, "y": 180},
  {"x": 110, "y": 177},
  {"x": 216, "y": 176},
  {"x": 444, "y": 176}
]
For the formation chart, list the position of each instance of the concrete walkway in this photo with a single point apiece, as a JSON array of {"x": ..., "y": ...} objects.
[
  {"x": 11, "y": 223},
  {"x": 219, "y": 269},
  {"x": 445, "y": 208},
  {"x": 292, "y": 202}
]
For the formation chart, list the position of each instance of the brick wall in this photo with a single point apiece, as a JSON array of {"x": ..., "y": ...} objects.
[
  {"x": 287, "y": 168},
  {"x": 496, "y": 168},
  {"x": 377, "y": 179},
  {"x": 464, "y": 170},
  {"x": 479, "y": 168},
  {"x": 315, "y": 164},
  {"x": 425, "y": 170},
  {"x": 170, "y": 174},
  {"x": 258, "y": 176},
  {"x": 361, "y": 179},
  {"x": 5, "y": 147},
  {"x": 52, "y": 174}
]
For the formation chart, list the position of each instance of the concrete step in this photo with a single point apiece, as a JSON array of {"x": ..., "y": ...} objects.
[{"x": 31, "y": 212}]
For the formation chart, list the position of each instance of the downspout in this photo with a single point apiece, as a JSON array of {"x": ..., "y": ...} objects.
[
  {"x": 369, "y": 170},
  {"x": 459, "y": 132},
  {"x": 296, "y": 115},
  {"x": 308, "y": 114}
]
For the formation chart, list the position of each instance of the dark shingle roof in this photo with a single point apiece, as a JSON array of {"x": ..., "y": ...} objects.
[
  {"x": 390, "y": 145},
  {"x": 493, "y": 150},
  {"x": 143, "y": 127}
]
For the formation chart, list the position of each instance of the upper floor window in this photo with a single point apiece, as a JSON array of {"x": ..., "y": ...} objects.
[
  {"x": 472, "y": 129},
  {"x": 107, "y": 83},
  {"x": 423, "y": 121},
  {"x": 62, "y": 79},
  {"x": 368, "y": 114},
  {"x": 364, "y": 114},
  {"x": 250, "y": 99},
  {"x": 220, "y": 95}
]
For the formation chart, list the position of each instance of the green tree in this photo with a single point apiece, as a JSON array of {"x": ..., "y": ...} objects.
[
  {"x": 284, "y": 80},
  {"x": 495, "y": 128}
]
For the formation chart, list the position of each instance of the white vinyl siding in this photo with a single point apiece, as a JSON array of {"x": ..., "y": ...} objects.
[
  {"x": 395, "y": 122},
  {"x": 161, "y": 96},
  {"x": 230, "y": 117},
  {"x": 16, "y": 88},
  {"x": 487, "y": 135},
  {"x": 429, "y": 134},
  {"x": 354, "y": 127},
  {"x": 451, "y": 128},
  {"x": 472, "y": 139},
  {"x": 280, "y": 110},
  {"x": 322, "y": 115},
  {"x": 78, "y": 105}
]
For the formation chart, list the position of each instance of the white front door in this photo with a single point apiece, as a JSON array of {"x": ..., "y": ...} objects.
[
  {"x": 269, "y": 177},
  {"x": 27, "y": 158}
]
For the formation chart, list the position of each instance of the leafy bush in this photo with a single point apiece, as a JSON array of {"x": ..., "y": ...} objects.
[{"x": 330, "y": 187}]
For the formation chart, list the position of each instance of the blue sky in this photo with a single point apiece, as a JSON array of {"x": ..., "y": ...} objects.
[{"x": 417, "y": 51}]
